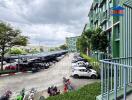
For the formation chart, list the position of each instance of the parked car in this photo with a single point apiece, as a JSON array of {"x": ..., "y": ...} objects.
[
  {"x": 28, "y": 67},
  {"x": 78, "y": 59},
  {"x": 11, "y": 67},
  {"x": 82, "y": 71},
  {"x": 80, "y": 63},
  {"x": 83, "y": 65},
  {"x": 4, "y": 63}
]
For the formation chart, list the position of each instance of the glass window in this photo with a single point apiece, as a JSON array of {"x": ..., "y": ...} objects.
[{"x": 117, "y": 31}]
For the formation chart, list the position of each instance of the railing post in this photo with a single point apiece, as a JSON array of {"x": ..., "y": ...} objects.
[
  {"x": 108, "y": 80},
  {"x": 115, "y": 82},
  {"x": 102, "y": 78},
  {"x": 124, "y": 83}
]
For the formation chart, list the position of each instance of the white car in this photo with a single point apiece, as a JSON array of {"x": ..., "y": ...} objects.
[
  {"x": 82, "y": 71},
  {"x": 79, "y": 63}
]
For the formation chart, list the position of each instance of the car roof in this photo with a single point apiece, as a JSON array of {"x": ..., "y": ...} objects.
[{"x": 79, "y": 68}]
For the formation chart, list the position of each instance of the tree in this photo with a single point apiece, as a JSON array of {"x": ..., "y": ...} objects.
[
  {"x": 41, "y": 49},
  {"x": 63, "y": 47},
  {"x": 34, "y": 50},
  {"x": 88, "y": 38},
  {"x": 93, "y": 40},
  {"x": 52, "y": 49},
  {"x": 82, "y": 44},
  {"x": 99, "y": 40},
  {"x": 10, "y": 37},
  {"x": 104, "y": 43}
]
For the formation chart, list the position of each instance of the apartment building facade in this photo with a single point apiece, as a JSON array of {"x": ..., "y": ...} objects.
[
  {"x": 116, "y": 73},
  {"x": 100, "y": 16}
]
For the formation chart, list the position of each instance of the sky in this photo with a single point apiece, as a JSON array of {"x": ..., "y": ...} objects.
[{"x": 46, "y": 22}]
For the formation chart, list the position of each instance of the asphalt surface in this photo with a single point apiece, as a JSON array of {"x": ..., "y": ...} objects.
[{"x": 42, "y": 80}]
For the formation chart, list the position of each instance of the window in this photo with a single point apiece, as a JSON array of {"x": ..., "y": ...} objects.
[
  {"x": 83, "y": 70},
  {"x": 117, "y": 31}
]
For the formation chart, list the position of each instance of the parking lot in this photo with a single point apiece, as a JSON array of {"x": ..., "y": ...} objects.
[{"x": 43, "y": 79}]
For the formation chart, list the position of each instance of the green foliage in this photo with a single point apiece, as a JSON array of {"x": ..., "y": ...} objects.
[
  {"x": 88, "y": 33},
  {"x": 52, "y": 49},
  {"x": 17, "y": 51},
  {"x": 82, "y": 44},
  {"x": 7, "y": 71},
  {"x": 93, "y": 40},
  {"x": 20, "y": 40},
  {"x": 88, "y": 92},
  {"x": 99, "y": 41},
  {"x": 41, "y": 49},
  {"x": 63, "y": 47},
  {"x": 89, "y": 59},
  {"x": 93, "y": 62},
  {"x": 34, "y": 50},
  {"x": 104, "y": 43}
]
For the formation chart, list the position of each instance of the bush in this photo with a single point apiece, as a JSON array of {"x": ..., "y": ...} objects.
[
  {"x": 88, "y": 92},
  {"x": 7, "y": 71},
  {"x": 95, "y": 64}
]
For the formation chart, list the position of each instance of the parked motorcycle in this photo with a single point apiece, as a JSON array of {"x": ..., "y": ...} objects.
[
  {"x": 32, "y": 94},
  {"x": 6, "y": 95},
  {"x": 21, "y": 95},
  {"x": 53, "y": 90}
]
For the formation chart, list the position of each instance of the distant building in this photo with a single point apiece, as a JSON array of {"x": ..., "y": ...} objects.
[{"x": 71, "y": 43}]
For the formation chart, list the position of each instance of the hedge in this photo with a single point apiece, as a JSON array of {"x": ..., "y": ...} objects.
[
  {"x": 95, "y": 63},
  {"x": 7, "y": 71}
]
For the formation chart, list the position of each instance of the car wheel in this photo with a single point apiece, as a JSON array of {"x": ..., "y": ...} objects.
[
  {"x": 76, "y": 76},
  {"x": 93, "y": 77}
]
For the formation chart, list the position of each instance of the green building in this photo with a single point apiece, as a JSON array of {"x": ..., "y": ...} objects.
[
  {"x": 71, "y": 43},
  {"x": 119, "y": 31},
  {"x": 99, "y": 16}
]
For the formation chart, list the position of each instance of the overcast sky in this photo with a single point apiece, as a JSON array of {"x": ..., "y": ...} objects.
[{"x": 47, "y": 22}]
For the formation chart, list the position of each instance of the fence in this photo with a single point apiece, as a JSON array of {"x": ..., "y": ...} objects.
[
  {"x": 100, "y": 55},
  {"x": 116, "y": 78}
]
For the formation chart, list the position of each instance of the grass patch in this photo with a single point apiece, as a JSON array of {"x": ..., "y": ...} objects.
[{"x": 88, "y": 92}]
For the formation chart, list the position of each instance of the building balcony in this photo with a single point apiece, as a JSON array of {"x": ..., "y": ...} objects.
[
  {"x": 91, "y": 17},
  {"x": 95, "y": 3},
  {"x": 101, "y": 2},
  {"x": 103, "y": 17},
  {"x": 96, "y": 17}
]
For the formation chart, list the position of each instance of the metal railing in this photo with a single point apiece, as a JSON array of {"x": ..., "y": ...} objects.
[{"x": 116, "y": 76}]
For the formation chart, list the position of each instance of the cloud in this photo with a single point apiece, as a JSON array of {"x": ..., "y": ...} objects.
[{"x": 46, "y": 21}]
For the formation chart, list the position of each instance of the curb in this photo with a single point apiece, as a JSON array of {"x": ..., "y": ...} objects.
[{"x": 11, "y": 74}]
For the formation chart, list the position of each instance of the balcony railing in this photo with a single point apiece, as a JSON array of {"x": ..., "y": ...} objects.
[
  {"x": 116, "y": 78},
  {"x": 96, "y": 17},
  {"x": 101, "y": 2},
  {"x": 95, "y": 3},
  {"x": 91, "y": 17},
  {"x": 103, "y": 17}
]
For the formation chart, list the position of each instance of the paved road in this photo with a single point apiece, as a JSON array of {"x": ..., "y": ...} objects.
[{"x": 43, "y": 79}]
